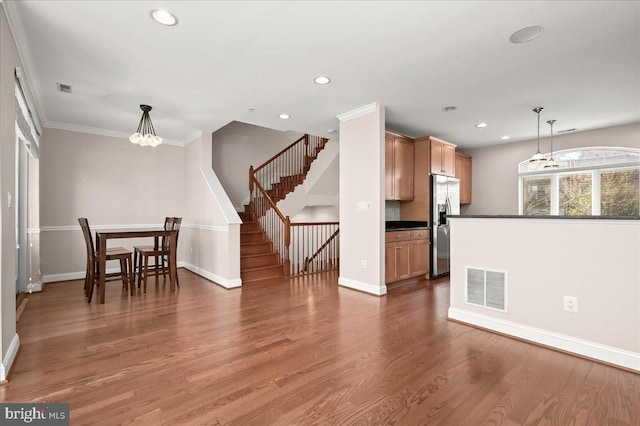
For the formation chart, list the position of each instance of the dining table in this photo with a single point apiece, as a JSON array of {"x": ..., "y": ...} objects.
[{"x": 103, "y": 236}]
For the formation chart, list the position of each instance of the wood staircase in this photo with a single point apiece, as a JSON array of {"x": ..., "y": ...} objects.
[{"x": 260, "y": 258}]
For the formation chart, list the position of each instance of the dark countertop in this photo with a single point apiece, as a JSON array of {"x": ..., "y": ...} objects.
[
  {"x": 404, "y": 225},
  {"x": 507, "y": 216}
]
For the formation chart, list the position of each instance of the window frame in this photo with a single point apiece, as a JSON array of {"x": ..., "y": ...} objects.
[{"x": 555, "y": 174}]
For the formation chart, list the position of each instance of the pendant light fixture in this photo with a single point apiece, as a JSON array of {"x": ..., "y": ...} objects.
[
  {"x": 145, "y": 135},
  {"x": 551, "y": 163},
  {"x": 537, "y": 156}
]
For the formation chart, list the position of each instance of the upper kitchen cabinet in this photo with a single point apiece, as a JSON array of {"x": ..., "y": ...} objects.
[
  {"x": 398, "y": 167},
  {"x": 463, "y": 172},
  {"x": 443, "y": 157}
]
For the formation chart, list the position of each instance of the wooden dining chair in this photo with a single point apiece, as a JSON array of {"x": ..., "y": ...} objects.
[
  {"x": 93, "y": 256},
  {"x": 141, "y": 267}
]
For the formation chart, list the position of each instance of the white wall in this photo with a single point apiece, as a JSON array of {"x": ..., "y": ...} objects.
[
  {"x": 495, "y": 169},
  {"x": 237, "y": 146},
  {"x": 362, "y": 179},
  {"x": 546, "y": 259},
  {"x": 109, "y": 181}
]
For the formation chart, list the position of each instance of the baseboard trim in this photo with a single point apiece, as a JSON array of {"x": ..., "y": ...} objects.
[
  {"x": 7, "y": 362},
  {"x": 607, "y": 354},
  {"x": 216, "y": 279},
  {"x": 68, "y": 276},
  {"x": 363, "y": 287}
]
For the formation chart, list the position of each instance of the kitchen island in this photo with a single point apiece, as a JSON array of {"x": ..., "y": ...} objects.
[{"x": 564, "y": 282}]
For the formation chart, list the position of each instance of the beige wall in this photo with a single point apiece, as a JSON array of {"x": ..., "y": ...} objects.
[
  {"x": 212, "y": 240},
  {"x": 109, "y": 181},
  {"x": 362, "y": 179},
  {"x": 495, "y": 169},
  {"x": 237, "y": 146},
  {"x": 9, "y": 60},
  {"x": 593, "y": 260}
]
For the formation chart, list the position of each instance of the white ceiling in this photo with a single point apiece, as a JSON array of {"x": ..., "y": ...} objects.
[{"x": 224, "y": 58}]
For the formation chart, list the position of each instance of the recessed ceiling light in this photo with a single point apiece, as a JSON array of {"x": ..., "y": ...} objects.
[
  {"x": 526, "y": 34},
  {"x": 449, "y": 108},
  {"x": 504, "y": 138},
  {"x": 285, "y": 116},
  {"x": 481, "y": 125},
  {"x": 164, "y": 17},
  {"x": 322, "y": 80}
]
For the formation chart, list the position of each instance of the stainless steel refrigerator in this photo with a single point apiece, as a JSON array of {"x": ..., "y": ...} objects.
[{"x": 445, "y": 201}]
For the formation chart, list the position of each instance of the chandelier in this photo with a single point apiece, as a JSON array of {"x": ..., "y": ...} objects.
[{"x": 145, "y": 135}]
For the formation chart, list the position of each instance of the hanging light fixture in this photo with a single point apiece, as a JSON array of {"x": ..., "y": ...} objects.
[
  {"x": 145, "y": 135},
  {"x": 537, "y": 156},
  {"x": 551, "y": 163}
]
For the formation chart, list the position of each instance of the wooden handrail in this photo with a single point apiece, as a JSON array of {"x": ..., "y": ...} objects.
[
  {"x": 275, "y": 208},
  {"x": 326, "y": 243},
  {"x": 305, "y": 137},
  {"x": 314, "y": 223}
]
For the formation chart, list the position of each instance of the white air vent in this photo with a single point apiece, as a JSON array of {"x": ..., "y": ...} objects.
[
  {"x": 486, "y": 288},
  {"x": 65, "y": 88}
]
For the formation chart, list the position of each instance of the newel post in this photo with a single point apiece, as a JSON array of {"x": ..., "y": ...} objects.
[
  {"x": 287, "y": 243},
  {"x": 250, "y": 179}
]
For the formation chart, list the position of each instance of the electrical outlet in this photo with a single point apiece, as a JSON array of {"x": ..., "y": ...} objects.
[
  {"x": 570, "y": 304},
  {"x": 363, "y": 263}
]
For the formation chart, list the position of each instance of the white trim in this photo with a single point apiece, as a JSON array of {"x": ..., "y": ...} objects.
[
  {"x": 12, "y": 351},
  {"x": 68, "y": 276},
  {"x": 216, "y": 279},
  {"x": 207, "y": 227},
  {"x": 104, "y": 227},
  {"x": 364, "y": 287},
  {"x": 358, "y": 112},
  {"x": 14, "y": 18},
  {"x": 194, "y": 137},
  {"x": 102, "y": 132},
  {"x": 125, "y": 226},
  {"x": 563, "y": 342},
  {"x": 220, "y": 196}
]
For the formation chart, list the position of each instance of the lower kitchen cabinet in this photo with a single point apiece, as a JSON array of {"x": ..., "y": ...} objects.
[{"x": 406, "y": 254}]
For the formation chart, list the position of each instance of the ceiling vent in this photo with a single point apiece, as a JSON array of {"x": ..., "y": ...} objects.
[
  {"x": 567, "y": 130},
  {"x": 487, "y": 289},
  {"x": 64, "y": 88}
]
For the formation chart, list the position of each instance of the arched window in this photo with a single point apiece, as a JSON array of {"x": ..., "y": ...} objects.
[{"x": 597, "y": 181}]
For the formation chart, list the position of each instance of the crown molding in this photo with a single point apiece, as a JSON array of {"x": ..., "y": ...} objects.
[
  {"x": 24, "y": 53},
  {"x": 194, "y": 137},
  {"x": 366, "y": 109},
  {"x": 102, "y": 132}
]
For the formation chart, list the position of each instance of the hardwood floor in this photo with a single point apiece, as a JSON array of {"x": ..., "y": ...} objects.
[{"x": 300, "y": 351}]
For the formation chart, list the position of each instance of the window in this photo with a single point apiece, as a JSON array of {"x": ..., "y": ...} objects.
[{"x": 589, "y": 182}]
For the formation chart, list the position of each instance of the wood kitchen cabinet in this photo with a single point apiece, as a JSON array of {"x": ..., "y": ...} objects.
[
  {"x": 463, "y": 172},
  {"x": 443, "y": 157},
  {"x": 398, "y": 167},
  {"x": 406, "y": 254}
]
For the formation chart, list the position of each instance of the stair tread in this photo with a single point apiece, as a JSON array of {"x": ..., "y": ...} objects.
[
  {"x": 249, "y": 243},
  {"x": 269, "y": 253},
  {"x": 251, "y": 232},
  {"x": 261, "y": 268}
]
